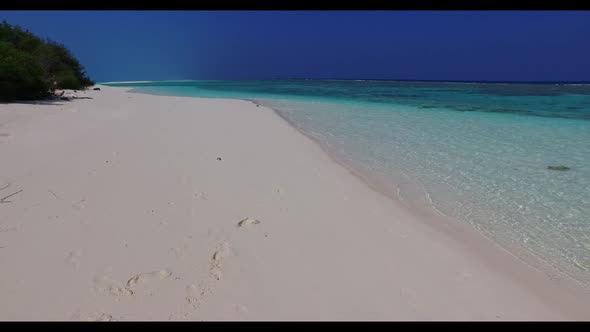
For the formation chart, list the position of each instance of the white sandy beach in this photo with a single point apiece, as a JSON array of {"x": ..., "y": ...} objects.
[{"x": 123, "y": 211}]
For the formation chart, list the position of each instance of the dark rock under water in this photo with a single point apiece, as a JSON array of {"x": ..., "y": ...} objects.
[{"x": 558, "y": 168}]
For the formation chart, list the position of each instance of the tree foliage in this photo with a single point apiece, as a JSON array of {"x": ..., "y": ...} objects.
[{"x": 32, "y": 68}]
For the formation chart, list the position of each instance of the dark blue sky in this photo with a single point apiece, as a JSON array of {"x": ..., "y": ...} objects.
[{"x": 446, "y": 45}]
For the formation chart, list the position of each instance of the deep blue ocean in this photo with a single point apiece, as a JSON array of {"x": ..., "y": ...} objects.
[{"x": 477, "y": 153}]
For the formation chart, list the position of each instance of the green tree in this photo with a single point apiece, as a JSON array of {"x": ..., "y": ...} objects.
[
  {"x": 21, "y": 77},
  {"x": 28, "y": 63}
]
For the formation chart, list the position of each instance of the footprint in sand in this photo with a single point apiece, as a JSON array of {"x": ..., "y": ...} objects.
[
  {"x": 74, "y": 257},
  {"x": 217, "y": 258},
  {"x": 92, "y": 317},
  {"x": 118, "y": 289},
  {"x": 248, "y": 221},
  {"x": 104, "y": 318},
  {"x": 112, "y": 287},
  {"x": 143, "y": 277},
  {"x": 200, "y": 195},
  {"x": 8, "y": 229},
  {"x": 194, "y": 293},
  {"x": 79, "y": 205},
  {"x": 194, "y": 298},
  {"x": 224, "y": 250}
]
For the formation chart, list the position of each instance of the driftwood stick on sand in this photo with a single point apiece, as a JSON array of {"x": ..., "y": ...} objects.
[
  {"x": 3, "y": 200},
  {"x": 6, "y": 186}
]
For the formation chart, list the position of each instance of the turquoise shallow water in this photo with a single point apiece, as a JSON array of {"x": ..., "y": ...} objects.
[{"x": 475, "y": 152}]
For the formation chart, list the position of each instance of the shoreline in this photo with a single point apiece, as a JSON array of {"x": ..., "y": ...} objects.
[
  {"x": 494, "y": 253},
  {"x": 489, "y": 249},
  {"x": 327, "y": 245},
  {"x": 465, "y": 234}
]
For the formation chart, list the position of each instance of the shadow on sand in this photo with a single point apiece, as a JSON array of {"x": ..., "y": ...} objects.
[{"x": 51, "y": 102}]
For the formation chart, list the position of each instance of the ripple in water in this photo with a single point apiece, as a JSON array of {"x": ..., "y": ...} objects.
[{"x": 484, "y": 169}]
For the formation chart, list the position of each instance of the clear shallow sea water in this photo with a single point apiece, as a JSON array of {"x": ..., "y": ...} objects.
[{"x": 474, "y": 152}]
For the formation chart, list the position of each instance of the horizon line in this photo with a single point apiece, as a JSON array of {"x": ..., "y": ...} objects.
[{"x": 356, "y": 79}]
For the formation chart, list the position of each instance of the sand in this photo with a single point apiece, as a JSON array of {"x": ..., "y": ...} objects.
[{"x": 130, "y": 206}]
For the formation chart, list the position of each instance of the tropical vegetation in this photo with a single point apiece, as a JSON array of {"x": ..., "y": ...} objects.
[{"x": 33, "y": 68}]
